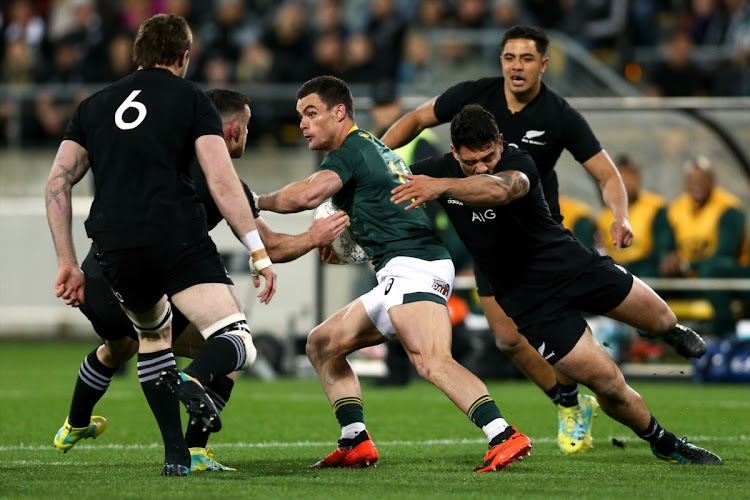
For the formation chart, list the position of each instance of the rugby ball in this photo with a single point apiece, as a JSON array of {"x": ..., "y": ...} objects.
[{"x": 345, "y": 246}]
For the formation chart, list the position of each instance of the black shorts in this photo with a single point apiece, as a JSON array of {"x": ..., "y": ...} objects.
[
  {"x": 141, "y": 276},
  {"x": 104, "y": 312},
  {"x": 554, "y": 325}
]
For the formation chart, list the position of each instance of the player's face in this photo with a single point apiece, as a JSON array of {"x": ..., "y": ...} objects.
[
  {"x": 478, "y": 161},
  {"x": 523, "y": 66},
  {"x": 317, "y": 122}
]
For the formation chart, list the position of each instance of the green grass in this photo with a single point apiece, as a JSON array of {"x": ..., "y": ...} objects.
[{"x": 273, "y": 430}]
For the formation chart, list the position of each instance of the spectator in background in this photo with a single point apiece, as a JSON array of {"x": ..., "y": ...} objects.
[
  {"x": 578, "y": 219},
  {"x": 471, "y": 14},
  {"x": 678, "y": 75},
  {"x": 387, "y": 30},
  {"x": 120, "y": 61},
  {"x": 24, "y": 25},
  {"x": 289, "y": 42},
  {"x": 431, "y": 14},
  {"x": 360, "y": 62},
  {"x": 232, "y": 29},
  {"x": 328, "y": 18},
  {"x": 416, "y": 65},
  {"x": 708, "y": 237},
  {"x": 647, "y": 213}
]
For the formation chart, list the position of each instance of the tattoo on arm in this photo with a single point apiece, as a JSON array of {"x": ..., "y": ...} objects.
[
  {"x": 512, "y": 185},
  {"x": 62, "y": 181}
]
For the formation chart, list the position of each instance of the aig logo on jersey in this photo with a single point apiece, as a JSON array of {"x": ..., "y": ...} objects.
[
  {"x": 531, "y": 135},
  {"x": 483, "y": 216},
  {"x": 441, "y": 287}
]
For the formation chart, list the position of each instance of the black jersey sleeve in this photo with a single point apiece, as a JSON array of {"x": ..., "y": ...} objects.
[
  {"x": 207, "y": 120},
  {"x": 433, "y": 166},
  {"x": 518, "y": 159},
  {"x": 213, "y": 215},
  {"x": 74, "y": 130},
  {"x": 578, "y": 138},
  {"x": 483, "y": 92}
]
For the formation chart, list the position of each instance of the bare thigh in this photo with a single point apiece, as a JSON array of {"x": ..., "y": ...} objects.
[
  {"x": 346, "y": 331},
  {"x": 424, "y": 328},
  {"x": 644, "y": 309},
  {"x": 589, "y": 364},
  {"x": 206, "y": 303}
]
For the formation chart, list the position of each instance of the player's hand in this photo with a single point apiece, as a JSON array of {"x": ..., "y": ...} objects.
[
  {"x": 325, "y": 230},
  {"x": 70, "y": 284},
  {"x": 622, "y": 233},
  {"x": 269, "y": 274},
  {"x": 419, "y": 189},
  {"x": 327, "y": 254}
]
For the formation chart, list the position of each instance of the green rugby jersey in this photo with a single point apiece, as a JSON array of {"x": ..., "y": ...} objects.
[{"x": 369, "y": 171}]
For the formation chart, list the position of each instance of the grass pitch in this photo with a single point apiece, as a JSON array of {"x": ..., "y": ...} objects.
[{"x": 428, "y": 448}]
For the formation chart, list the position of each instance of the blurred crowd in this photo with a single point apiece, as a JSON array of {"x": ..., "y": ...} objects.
[{"x": 688, "y": 47}]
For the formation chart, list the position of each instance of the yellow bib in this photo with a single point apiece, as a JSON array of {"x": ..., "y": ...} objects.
[{"x": 641, "y": 216}]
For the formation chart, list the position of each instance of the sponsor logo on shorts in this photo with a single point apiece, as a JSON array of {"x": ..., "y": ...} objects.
[
  {"x": 624, "y": 271},
  {"x": 441, "y": 287},
  {"x": 119, "y": 297},
  {"x": 541, "y": 351}
]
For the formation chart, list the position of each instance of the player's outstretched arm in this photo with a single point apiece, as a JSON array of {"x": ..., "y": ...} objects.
[
  {"x": 302, "y": 195},
  {"x": 70, "y": 165},
  {"x": 601, "y": 168},
  {"x": 283, "y": 247},
  {"x": 410, "y": 125},
  {"x": 230, "y": 198},
  {"x": 480, "y": 190}
]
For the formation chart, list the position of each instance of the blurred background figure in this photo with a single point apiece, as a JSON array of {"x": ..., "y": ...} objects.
[
  {"x": 678, "y": 75},
  {"x": 578, "y": 218},
  {"x": 708, "y": 238},
  {"x": 648, "y": 219}
]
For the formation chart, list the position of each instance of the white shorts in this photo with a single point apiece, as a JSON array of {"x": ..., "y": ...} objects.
[{"x": 404, "y": 280}]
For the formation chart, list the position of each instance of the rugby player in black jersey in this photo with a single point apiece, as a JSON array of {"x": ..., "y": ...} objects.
[
  {"x": 139, "y": 136},
  {"x": 543, "y": 123},
  {"x": 414, "y": 273},
  {"x": 114, "y": 327},
  {"x": 542, "y": 276}
]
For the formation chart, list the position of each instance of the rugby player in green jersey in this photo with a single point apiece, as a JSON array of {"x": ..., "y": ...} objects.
[{"x": 414, "y": 273}]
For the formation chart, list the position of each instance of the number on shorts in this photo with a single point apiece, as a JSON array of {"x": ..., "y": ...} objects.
[{"x": 130, "y": 102}]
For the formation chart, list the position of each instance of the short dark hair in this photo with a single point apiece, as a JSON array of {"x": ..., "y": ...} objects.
[
  {"x": 473, "y": 127},
  {"x": 227, "y": 101},
  {"x": 332, "y": 91},
  {"x": 161, "y": 39},
  {"x": 530, "y": 33}
]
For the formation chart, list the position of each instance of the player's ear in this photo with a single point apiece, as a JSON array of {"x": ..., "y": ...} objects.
[{"x": 455, "y": 153}]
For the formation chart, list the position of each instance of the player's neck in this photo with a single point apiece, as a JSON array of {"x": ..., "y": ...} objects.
[
  {"x": 517, "y": 101},
  {"x": 346, "y": 128}
]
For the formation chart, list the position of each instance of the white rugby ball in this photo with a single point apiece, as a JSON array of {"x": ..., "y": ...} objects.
[{"x": 345, "y": 246}]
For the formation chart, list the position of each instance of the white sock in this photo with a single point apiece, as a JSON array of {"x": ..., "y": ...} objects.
[
  {"x": 494, "y": 428},
  {"x": 351, "y": 430}
]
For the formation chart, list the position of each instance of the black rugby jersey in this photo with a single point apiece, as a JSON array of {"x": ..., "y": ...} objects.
[
  {"x": 544, "y": 127},
  {"x": 213, "y": 215},
  {"x": 140, "y": 136},
  {"x": 519, "y": 247}
]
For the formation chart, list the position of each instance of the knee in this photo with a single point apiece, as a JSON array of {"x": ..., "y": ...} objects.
[
  {"x": 430, "y": 367},
  {"x": 116, "y": 354},
  {"x": 319, "y": 345},
  {"x": 510, "y": 342},
  {"x": 609, "y": 386}
]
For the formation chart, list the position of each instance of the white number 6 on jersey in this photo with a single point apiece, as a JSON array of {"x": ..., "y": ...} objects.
[{"x": 130, "y": 103}]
